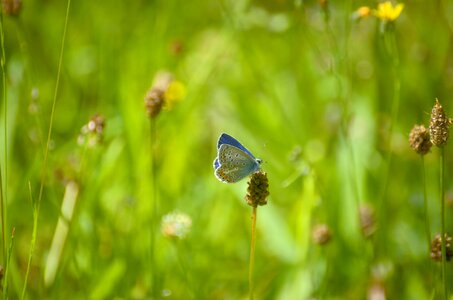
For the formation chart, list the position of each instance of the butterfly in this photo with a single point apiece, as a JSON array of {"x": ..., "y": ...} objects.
[{"x": 233, "y": 161}]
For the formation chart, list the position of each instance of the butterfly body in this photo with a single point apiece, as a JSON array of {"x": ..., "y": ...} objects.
[{"x": 233, "y": 161}]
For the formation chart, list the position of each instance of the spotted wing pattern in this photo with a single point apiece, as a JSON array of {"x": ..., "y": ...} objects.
[{"x": 233, "y": 164}]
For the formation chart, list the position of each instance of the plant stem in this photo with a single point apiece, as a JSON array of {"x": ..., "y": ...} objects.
[
  {"x": 442, "y": 220},
  {"x": 181, "y": 254},
  {"x": 392, "y": 50},
  {"x": 32, "y": 243},
  {"x": 3, "y": 190},
  {"x": 37, "y": 205},
  {"x": 52, "y": 113},
  {"x": 3, "y": 217},
  {"x": 425, "y": 202},
  {"x": 252, "y": 252},
  {"x": 154, "y": 271},
  {"x": 10, "y": 250}
]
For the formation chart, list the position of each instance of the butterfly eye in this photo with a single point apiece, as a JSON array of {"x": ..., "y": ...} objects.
[{"x": 259, "y": 161}]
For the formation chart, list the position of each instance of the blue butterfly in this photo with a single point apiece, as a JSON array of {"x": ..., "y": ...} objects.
[{"x": 233, "y": 161}]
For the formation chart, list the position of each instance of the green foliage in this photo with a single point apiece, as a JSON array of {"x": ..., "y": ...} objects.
[{"x": 315, "y": 93}]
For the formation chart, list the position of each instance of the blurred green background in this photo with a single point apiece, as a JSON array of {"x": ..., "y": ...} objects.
[{"x": 314, "y": 92}]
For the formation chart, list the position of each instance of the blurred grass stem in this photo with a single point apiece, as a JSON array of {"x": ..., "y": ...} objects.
[
  {"x": 10, "y": 250},
  {"x": 392, "y": 50},
  {"x": 52, "y": 113},
  {"x": 61, "y": 232},
  {"x": 425, "y": 203},
  {"x": 36, "y": 206},
  {"x": 181, "y": 254},
  {"x": 442, "y": 219},
  {"x": 340, "y": 55},
  {"x": 154, "y": 276},
  {"x": 32, "y": 243},
  {"x": 3, "y": 189},
  {"x": 252, "y": 253},
  {"x": 4, "y": 178}
]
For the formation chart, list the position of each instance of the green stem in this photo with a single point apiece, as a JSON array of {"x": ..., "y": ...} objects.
[
  {"x": 37, "y": 205},
  {"x": 442, "y": 220},
  {"x": 52, "y": 113},
  {"x": 392, "y": 49},
  {"x": 393, "y": 52},
  {"x": 181, "y": 253},
  {"x": 154, "y": 270},
  {"x": 425, "y": 202},
  {"x": 10, "y": 250},
  {"x": 32, "y": 243},
  {"x": 324, "y": 285},
  {"x": 4, "y": 189},
  {"x": 3, "y": 217},
  {"x": 252, "y": 253},
  {"x": 3, "y": 196}
]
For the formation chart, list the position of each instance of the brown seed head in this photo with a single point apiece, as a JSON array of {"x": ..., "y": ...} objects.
[
  {"x": 96, "y": 124},
  {"x": 436, "y": 248},
  {"x": 419, "y": 139},
  {"x": 367, "y": 221},
  {"x": 258, "y": 189},
  {"x": 323, "y": 3},
  {"x": 439, "y": 125},
  {"x": 154, "y": 101},
  {"x": 92, "y": 133},
  {"x": 11, "y": 7},
  {"x": 321, "y": 234},
  {"x": 176, "y": 47}
]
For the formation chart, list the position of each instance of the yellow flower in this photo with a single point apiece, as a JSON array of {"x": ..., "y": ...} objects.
[
  {"x": 176, "y": 91},
  {"x": 361, "y": 12},
  {"x": 387, "y": 12},
  {"x": 364, "y": 11}
]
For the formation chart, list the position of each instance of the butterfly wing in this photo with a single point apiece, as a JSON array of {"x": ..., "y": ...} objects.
[
  {"x": 229, "y": 140},
  {"x": 216, "y": 163},
  {"x": 233, "y": 164}
]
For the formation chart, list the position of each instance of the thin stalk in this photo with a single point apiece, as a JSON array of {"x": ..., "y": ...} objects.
[
  {"x": 442, "y": 220},
  {"x": 10, "y": 250},
  {"x": 3, "y": 218},
  {"x": 252, "y": 253},
  {"x": 323, "y": 287},
  {"x": 181, "y": 254},
  {"x": 392, "y": 50},
  {"x": 425, "y": 203},
  {"x": 37, "y": 205},
  {"x": 52, "y": 113},
  {"x": 4, "y": 190},
  {"x": 33, "y": 242},
  {"x": 155, "y": 273}
]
